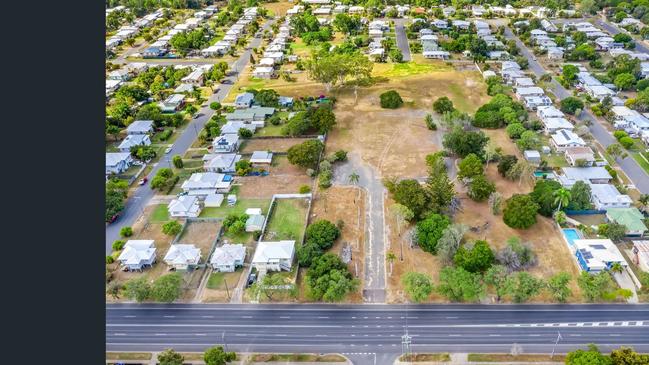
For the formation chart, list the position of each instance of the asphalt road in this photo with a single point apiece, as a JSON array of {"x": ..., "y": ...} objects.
[
  {"x": 402, "y": 39},
  {"x": 613, "y": 29},
  {"x": 630, "y": 167},
  {"x": 374, "y": 328},
  {"x": 135, "y": 204}
]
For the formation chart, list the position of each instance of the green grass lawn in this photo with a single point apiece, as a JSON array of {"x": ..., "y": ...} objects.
[
  {"x": 217, "y": 280},
  {"x": 128, "y": 356},
  {"x": 555, "y": 160},
  {"x": 408, "y": 69},
  {"x": 426, "y": 357},
  {"x": 270, "y": 130},
  {"x": 641, "y": 161},
  {"x": 160, "y": 214},
  {"x": 239, "y": 208},
  {"x": 509, "y": 358},
  {"x": 287, "y": 220},
  {"x": 242, "y": 237}
]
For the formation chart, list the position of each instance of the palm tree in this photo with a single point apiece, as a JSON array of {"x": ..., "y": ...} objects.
[
  {"x": 616, "y": 267},
  {"x": 561, "y": 197},
  {"x": 391, "y": 257},
  {"x": 353, "y": 179},
  {"x": 644, "y": 200}
]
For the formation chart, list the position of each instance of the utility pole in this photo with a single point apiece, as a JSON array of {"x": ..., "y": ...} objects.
[
  {"x": 225, "y": 344},
  {"x": 555, "y": 344},
  {"x": 406, "y": 340},
  {"x": 227, "y": 291}
]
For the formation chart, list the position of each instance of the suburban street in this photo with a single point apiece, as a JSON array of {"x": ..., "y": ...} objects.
[
  {"x": 402, "y": 39},
  {"x": 613, "y": 29},
  {"x": 134, "y": 206},
  {"x": 374, "y": 328},
  {"x": 630, "y": 167}
]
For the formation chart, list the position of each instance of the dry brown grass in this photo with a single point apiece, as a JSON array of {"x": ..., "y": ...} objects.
[
  {"x": 271, "y": 144},
  {"x": 202, "y": 235},
  {"x": 284, "y": 178},
  {"x": 346, "y": 204},
  {"x": 278, "y": 8}
]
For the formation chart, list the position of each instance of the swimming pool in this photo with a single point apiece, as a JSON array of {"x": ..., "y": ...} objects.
[{"x": 571, "y": 235}]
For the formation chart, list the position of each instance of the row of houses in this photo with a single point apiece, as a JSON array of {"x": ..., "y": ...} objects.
[
  {"x": 274, "y": 53},
  {"x": 269, "y": 256},
  {"x": 232, "y": 35},
  {"x": 129, "y": 31},
  {"x": 540, "y": 39},
  {"x": 524, "y": 87},
  {"x": 376, "y": 29},
  {"x": 161, "y": 46}
]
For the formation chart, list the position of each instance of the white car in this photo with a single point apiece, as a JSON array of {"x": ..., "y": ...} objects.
[{"x": 167, "y": 150}]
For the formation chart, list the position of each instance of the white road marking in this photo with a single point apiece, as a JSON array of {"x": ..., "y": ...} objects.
[
  {"x": 130, "y": 316},
  {"x": 119, "y": 334},
  {"x": 248, "y": 317},
  {"x": 285, "y": 317},
  {"x": 451, "y": 317},
  {"x": 280, "y": 335},
  {"x": 494, "y": 335},
  {"x": 200, "y": 334},
  {"x": 454, "y": 335},
  {"x": 575, "y": 335},
  {"x": 160, "y": 334},
  {"x": 170, "y": 316},
  {"x": 207, "y": 316},
  {"x": 535, "y": 335},
  {"x": 323, "y": 317}
]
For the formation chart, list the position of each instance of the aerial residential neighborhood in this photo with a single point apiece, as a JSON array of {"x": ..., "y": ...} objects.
[{"x": 417, "y": 156}]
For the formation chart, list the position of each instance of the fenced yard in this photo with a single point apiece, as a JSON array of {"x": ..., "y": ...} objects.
[{"x": 287, "y": 220}]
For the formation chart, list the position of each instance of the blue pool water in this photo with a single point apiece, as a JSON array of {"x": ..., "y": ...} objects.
[{"x": 571, "y": 235}]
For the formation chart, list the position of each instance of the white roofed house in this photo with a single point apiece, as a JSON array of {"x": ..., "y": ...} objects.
[
  {"x": 438, "y": 55},
  {"x": 140, "y": 127},
  {"x": 589, "y": 175},
  {"x": 194, "y": 78},
  {"x": 644, "y": 69},
  {"x": 599, "y": 92},
  {"x": 172, "y": 103},
  {"x": 137, "y": 255},
  {"x": 576, "y": 154},
  {"x": 596, "y": 255},
  {"x": 226, "y": 143},
  {"x": 182, "y": 256},
  {"x": 551, "y": 125},
  {"x": 185, "y": 206},
  {"x": 510, "y": 75},
  {"x": 523, "y": 82},
  {"x": 221, "y": 162},
  {"x": 133, "y": 140},
  {"x": 264, "y": 72},
  {"x": 549, "y": 112},
  {"x": 440, "y": 23},
  {"x": 638, "y": 123},
  {"x": 261, "y": 157},
  {"x": 274, "y": 256},
  {"x": 606, "y": 43},
  {"x": 461, "y": 24},
  {"x": 522, "y": 92},
  {"x": 121, "y": 75},
  {"x": 278, "y": 57},
  {"x": 244, "y": 100},
  {"x": 232, "y": 127},
  {"x": 118, "y": 162},
  {"x": 564, "y": 138},
  {"x": 228, "y": 257},
  {"x": 605, "y": 196},
  {"x": 555, "y": 53},
  {"x": 204, "y": 183},
  {"x": 533, "y": 102},
  {"x": 548, "y": 26}
]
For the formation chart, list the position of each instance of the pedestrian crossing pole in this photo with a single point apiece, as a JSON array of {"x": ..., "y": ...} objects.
[
  {"x": 406, "y": 339},
  {"x": 555, "y": 344}
]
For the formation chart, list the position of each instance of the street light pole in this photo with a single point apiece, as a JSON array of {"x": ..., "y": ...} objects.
[{"x": 555, "y": 344}]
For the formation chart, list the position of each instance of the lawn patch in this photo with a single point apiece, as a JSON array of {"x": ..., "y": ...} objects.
[
  {"x": 425, "y": 357},
  {"x": 239, "y": 208},
  {"x": 297, "y": 358},
  {"x": 641, "y": 161},
  {"x": 160, "y": 213},
  {"x": 287, "y": 220},
  {"x": 509, "y": 358}
]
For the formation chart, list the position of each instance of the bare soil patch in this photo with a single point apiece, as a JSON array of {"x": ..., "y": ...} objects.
[
  {"x": 270, "y": 144},
  {"x": 202, "y": 235}
]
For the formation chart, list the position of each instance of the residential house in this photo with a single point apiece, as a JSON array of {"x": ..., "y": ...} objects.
[
  {"x": 221, "y": 162},
  {"x": 523, "y": 82},
  {"x": 118, "y": 162},
  {"x": 448, "y": 11},
  {"x": 523, "y": 92},
  {"x": 202, "y": 184},
  {"x": 585, "y": 79},
  {"x": 548, "y": 26},
  {"x": 232, "y": 127},
  {"x": 440, "y": 23},
  {"x": 133, "y": 140},
  {"x": 112, "y": 86},
  {"x": 599, "y": 92},
  {"x": 460, "y": 24},
  {"x": 261, "y": 157},
  {"x": 509, "y": 65},
  {"x": 606, "y": 196},
  {"x": 555, "y": 53},
  {"x": 552, "y": 125},
  {"x": 255, "y": 115},
  {"x": 498, "y": 55},
  {"x": 638, "y": 123},
  {"x": 228, "y": 257},
  {"x": 226, "y": 143},
  {"x": 323, "y": 10},
  {"x": 140, "y": 127},
  {"x": 549, "y": 112},
  {"x": 644, "y": 69},
  {"x": 120, "y": 75},
  {"x": 488, "y": 73},
  {"x": 510, "y": 75},
  {"x": 255, "y": 222},
  {"x": 274, "y": 256},
  {"x": 153, "y": 52},
  {"x": 213, "y": 200},
  {"x": 285, "y": 101},
  {"x": 137, "y": 255},
  {"x": 591, "y": 175},
  {"x": 356, "y": 9},
  {"x": 264, "y": 72},
  {"x": 182, "y": 256},
  {"x": 596, "y": 255},
  {"x": 641, "y": 255},
  {"x": 533, "y": 102},
  {"x": 184, "y": 88},
  {"x": 185, "y": 206},
  {"x": 244, "y": 100},
  {"x": 575, "y": 154},
  {"x": 194, "y": 78},
  {"x": 606, "y": 43},
  {"x": 438, "y": 55},
  {"x": 629, "y": 217},
  {"x": 172, "y": 103}
]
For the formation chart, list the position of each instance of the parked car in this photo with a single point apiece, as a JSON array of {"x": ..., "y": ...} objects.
[
  {"x": 143, "y": 181},
  {"x": 167, "y": 150},
  {"x": 113, "y": 218},
  {"x": 251, "y": 279}
]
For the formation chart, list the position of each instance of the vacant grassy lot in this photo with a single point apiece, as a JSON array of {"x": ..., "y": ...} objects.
[
  {"x": 283, "y": 178},
  {"x": 218, "y": 280},
  {"x": 297, "y": 358},
  {"x": 159, "y": 214},
  {"x": 426, "y": 357},
  {"x": 272, "y": 144},
  {"x": 239, "y": 208},
  {"x": 128, "y": 356},
  {"x": 509, "y": 358},
  {"x": 287, "y": 220},
  {"x": 202, "y": 235}
]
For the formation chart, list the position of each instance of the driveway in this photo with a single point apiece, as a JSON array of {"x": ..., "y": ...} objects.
[
  {"x": 134, "y": 206},
  {"x": 374, "y": 289},
  {"x": 630, "y": 167},
  {"x": 402, "y": 39}
]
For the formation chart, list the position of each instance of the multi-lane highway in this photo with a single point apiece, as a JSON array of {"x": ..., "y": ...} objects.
[{"x": 374, "y": 328}]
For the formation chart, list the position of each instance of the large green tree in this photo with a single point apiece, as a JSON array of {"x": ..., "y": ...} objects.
[
  {"x": 459, "y": 285},
  {"x": 410, "y": 193},
  {"x": 323, "y": 233},
  {"x": 170, "y": 357},
  {"x": 430, "y": 230},
  {"x": 418, "y": 286},
  {"x": 520, "y": 211},
  {"x": 477, "y": 258},
  {"x": 167, "y": 288},
  {"x": 305, "y": 154},
  {"x": 216, "y": 356},
  {"x": 462, "y": 143}
]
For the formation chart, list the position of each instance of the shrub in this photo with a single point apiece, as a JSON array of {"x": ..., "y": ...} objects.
[
  {"x": 515, "y": 130},
  {"x": 480, "y": 188},
  {"x": 520, "y": 211},
  {"x": 215, "y": 105},
  {"x": 474, "y": 259},
  {"x": 430, "y": 230},
  {"x": 570, "y": 104},
  {"x": 178, "y": 162},
  {"x": 506, "y": 163},
  {"x": 627, "y": 142},
  {"x": 443, "y": 105},
  {"x": 324, "y": 179},
  {"x": 243, "y": 167},
  {"x": 172, "y": 228},
  {"x": 391, "y": 100},
  {"x": 118, "y": 245},
  {"x": 304, "y": 189},
  {"x": 110, "y": 259},
  {"x": 341, "y": 155},
  {"x": 164, "y": 135},
  {"x": 620, "y": 134},
  {"x": 126, "y": 232},
  {"x": 245, "y": 133},
  {"x": 323, "y": 233},
  {"x": 305, "y": 154}
]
